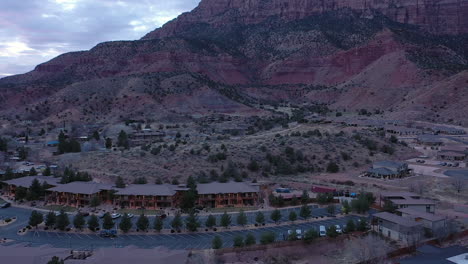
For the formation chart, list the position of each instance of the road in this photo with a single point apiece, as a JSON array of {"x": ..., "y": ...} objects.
[{"x": 201, "y": 240}]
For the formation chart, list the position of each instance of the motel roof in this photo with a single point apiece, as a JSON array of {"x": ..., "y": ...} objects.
[
  {"x": 412, "y": 201},
  {"x": 229, "y": 187},
  {"x": 402, "y": 221},
  {"x": 148, "y": 189},
  {"x": 382, "y": 171},
  {"x": 404, "y": 195},
  {"x": 389, "y": 164},
  {"x": 81, "y": 187},
  {"x": 420, "y": 214},
  {"x": 27, "y": 181}
]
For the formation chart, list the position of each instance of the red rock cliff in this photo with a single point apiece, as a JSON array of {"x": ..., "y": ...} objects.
[{"x": 436, "y": 16}]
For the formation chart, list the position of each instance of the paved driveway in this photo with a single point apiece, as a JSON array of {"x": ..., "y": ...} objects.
[{"x": 201, "y": 240}]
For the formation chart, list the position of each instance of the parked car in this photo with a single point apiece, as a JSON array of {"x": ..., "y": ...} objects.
[
  {"x": 108, "y": 233},
  {"x": 338, "y": 229},
  {"x": 57, "y": 213},
  {"x": 130, "y": 215},
  {"x": 162, "y": 216},
  {"x": 322, "y": 231},
  {"x": 5, "y": 205},
  {"x": 115, "y": 215}
]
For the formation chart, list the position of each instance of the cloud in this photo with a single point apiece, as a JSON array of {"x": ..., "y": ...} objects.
[{"x": 35, "y": 31}]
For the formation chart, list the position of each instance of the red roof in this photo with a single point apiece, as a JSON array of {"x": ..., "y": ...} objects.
[{"x": 321, "y": 189}]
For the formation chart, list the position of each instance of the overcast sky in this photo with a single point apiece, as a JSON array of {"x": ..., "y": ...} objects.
[{"x": 35, "y": 31}]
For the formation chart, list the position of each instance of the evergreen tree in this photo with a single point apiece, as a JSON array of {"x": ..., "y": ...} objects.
[
  {"x": 267, "y": 238},
  {"x": 210, "y": 221},
  {"x": 362, "y": 225},
  {"x": 305, "y": 212},
  {"x": 32, "y": 172},
  {"x": 310, "y": 235},
  {"x": 55, "y": 260},
  {"x": 190, "y": 197},
  {"x": 331, "y": 231},
  {"x": 62, "y": 221},
  {"x": 238, "y": 241},
  {"x": 96, "y": 135},
  {"x": 241, "y": 218},
  {"x": 126, "y": 223},
  {"x": 350, "y": 226},
  {"x": 389, "y": 206},
  {"x": 50, "y": 219},
  {"x": 292, "y": 216},
  {"x": 225, "y": 220},
  {"x": 158, "y": 224},
  {"x": 108, "y": 143},
  {"x": 176, "y": 223},
  {"x": 276, "y": 215},
  {"x": 95, "y": 202},
  {"x": 250, "y": 239},
  {"x": 217, "y": 242},
  {"x": 346, "y": 207},
  {"x": 35, "y": 219},
  {"x": 47, "y": 171},
  {"x": 122, "y": 140},
  {"x": 20, "y": 193},
  {"x": 260, "y": 218},
  {"x": 305, "y": 197},
  {"x": 331, "y": 209},
  {"x": 107, "y": 222},
  {"x": 35, "y": 190},
  {"x": 93, "y": 223},
  {"x": 142, "y": 223},
  {"x": 191, "y": 222},
  {"x": 119, "y": 182},
  {"x": 79, "y": 221}
]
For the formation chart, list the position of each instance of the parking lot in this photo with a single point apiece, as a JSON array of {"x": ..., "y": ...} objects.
[{"x": 201, "y": 240}]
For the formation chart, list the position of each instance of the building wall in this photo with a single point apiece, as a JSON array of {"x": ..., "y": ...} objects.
[{"x": 421, "y": 208}]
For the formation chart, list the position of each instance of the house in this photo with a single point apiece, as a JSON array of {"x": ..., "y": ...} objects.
[
  {"x": 430, "y": 221},
  {"x": 428, "y": 254},
  {"x": 230, "y": 194},
  {"x": 25, "y": 182},
  {"x": 408, "y": 200},
  {"x": 403, "y": 131},
  {"x": 397, "y": 228},
  {"x": 448, "y": 130},
  {"x": 429, "y": 140},
  {"x": 145, "y": 137},
  {"x": 388, "y": 170},
  {"x": 78, "y": 194},
  {"x": 453, "y": 153}
]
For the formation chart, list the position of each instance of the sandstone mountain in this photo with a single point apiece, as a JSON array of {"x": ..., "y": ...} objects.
[{"x": 406, "y": 57}]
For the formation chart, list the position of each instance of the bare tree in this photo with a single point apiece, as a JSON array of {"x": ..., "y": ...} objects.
[
  {"x": 444, "y": 232},
  {"x": 418, "y": 187},
  {"x": 369, "y": 248},
  {"x": 458, "y": 185}
]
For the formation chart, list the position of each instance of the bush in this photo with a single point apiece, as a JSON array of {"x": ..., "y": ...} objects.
[
  {"x": 250, "y": 239},
  {"x": 217, "y": 243},
  {"x": 332, "y": 167},
  {"x": 238, "y": 241}
]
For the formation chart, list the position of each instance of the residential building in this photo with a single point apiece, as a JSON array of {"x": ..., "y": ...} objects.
[
  {"x": 148, "y": 196},
  {"x": 453, "y": 153},
  {"x": 397, "y": 228},
  {"x": 145, "y": 137},
  {"x": 231, "y": 194},
  {"x": 403, "y": 131},
  {"x": 388, "y": 170},
  {"x": 79, "y": 194},
  {"x": 429, "y": 140},
  {"x": 25, "y": 182},
  {"x": 408, "y": 200}
]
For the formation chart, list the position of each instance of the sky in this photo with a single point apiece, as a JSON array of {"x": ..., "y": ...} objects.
[{"x": 35, "y": 31}]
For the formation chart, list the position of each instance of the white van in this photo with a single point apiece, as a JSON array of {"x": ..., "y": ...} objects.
[{"x": 323, "y": 231}]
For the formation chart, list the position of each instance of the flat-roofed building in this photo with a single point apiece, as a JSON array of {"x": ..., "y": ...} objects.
[
  {"x": 408, "y": 200},
  {"x": 397, "y": 228},
  {"x": 430, "y": 221},
  {"x": 230, "y": 194}
]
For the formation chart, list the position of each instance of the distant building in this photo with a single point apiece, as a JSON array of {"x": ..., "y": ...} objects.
[
  {"x": 453, "y": 153},
  {"x": 232, "y": 194},
  {"x": 429, "y": 140},
  {"x": 430, "y": 221},
  {"x": 408, "y": 200},
  {"x": 322, "y": 189},
  {"x": 25, "y": 182},
  {"x": 403, "y": 131},
  {"x": 145, "y": 137},
  {"x": 77, "y": 193},
  {"x": 388, "y": 170}
]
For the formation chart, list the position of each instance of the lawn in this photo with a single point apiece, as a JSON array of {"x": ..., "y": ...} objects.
[
  {"x": 139, "y": 211},
  {"x": 58, "y": 208},
  {"x": 231, "y": 209}
]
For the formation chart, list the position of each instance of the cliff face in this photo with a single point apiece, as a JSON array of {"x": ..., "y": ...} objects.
[
  {"x": 435, "y": 16},
  {"x": 229, "y": 55}
]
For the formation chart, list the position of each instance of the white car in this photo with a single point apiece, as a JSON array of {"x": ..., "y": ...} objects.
[
  {"x": 338, "y": 229},
  {"x": 322, "y": 231},
  {"x": 115, "y": 215},
  {"x": 130, "y": 215}
]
